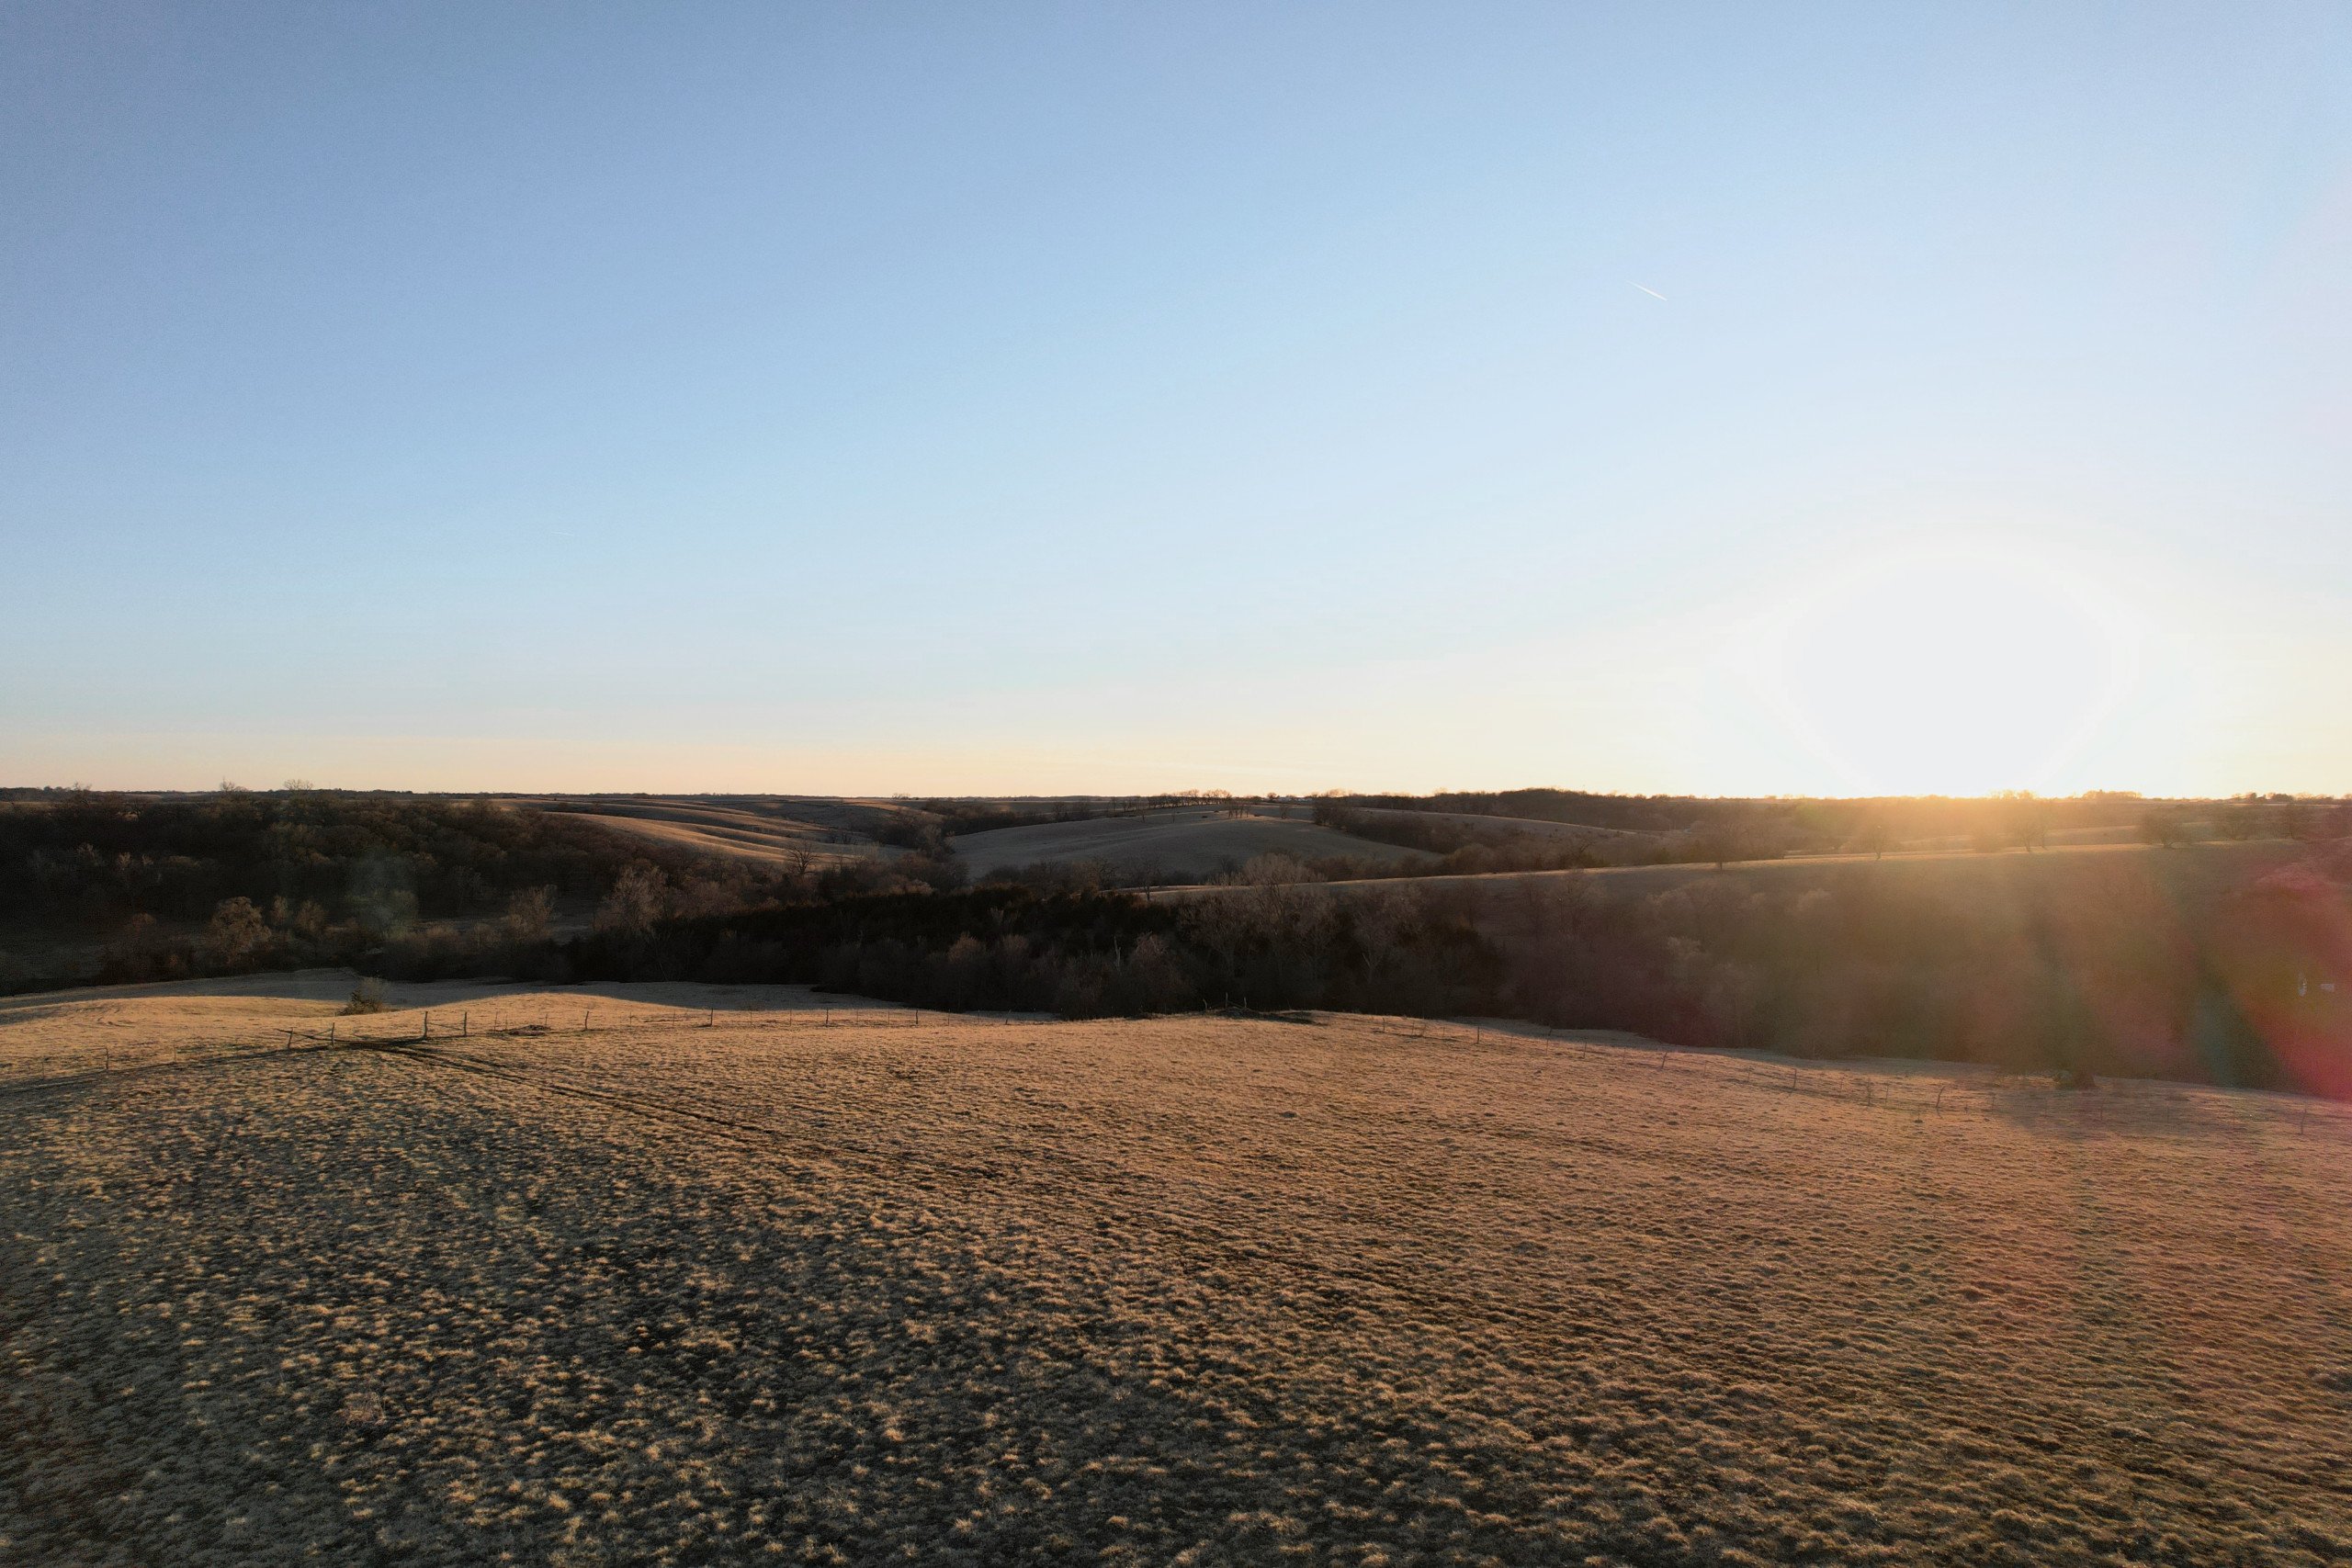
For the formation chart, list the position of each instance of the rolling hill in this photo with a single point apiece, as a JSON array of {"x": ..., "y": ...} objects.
[
  {"x": 780, "y": 829},
  {"x": 1183, "y": 845},
  {"x": 622, "y": 1279}
]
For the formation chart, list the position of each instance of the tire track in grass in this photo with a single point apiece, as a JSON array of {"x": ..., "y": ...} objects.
[
  {"x": 637, "y": 1104},
  {"x": 30, "y": 1088}
]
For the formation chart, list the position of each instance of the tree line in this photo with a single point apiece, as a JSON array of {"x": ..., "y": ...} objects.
[
  {"x": 2214, "y": 965},
  {"x": 2225, "y": 964}
]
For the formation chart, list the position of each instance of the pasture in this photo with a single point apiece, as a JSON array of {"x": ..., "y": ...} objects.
[
  {"x": 779, "y": 829},
  {"x": 686, "y": 1274}
]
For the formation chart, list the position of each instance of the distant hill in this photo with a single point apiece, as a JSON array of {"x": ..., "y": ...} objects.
[
  {"x": 92, "y": 882},
  {"x": 1183, "y": 845},
  {"x": 794, "y": 833}
]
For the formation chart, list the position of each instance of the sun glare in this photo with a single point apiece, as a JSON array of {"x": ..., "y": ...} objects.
[{"x": 1948, "y": 673}]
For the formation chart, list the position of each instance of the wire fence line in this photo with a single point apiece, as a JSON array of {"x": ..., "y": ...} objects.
[
  {"x": 2115, "y": 1104},
  {"x": 2125, "y": 1105}
]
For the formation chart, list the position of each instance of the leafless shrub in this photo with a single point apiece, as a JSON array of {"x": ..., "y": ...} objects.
[
  {"x": 636, "y": 901},
  {"x": 1274, "y": 869},
  {"x": 529, "y": 914},
  {"x": 236, "y": 934}
]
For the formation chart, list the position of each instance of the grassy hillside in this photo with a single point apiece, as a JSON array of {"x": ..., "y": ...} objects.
[
  {"x": 750, "y": 1286},
  {"x": 795, "y": 834},
  {"x": 1179, "y": 845}
]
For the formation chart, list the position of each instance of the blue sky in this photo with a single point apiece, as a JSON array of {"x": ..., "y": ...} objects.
[{"x": 1001, "y": 399}]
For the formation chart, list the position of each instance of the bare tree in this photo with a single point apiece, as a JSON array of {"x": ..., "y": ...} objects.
[
  {"x": 236, "y": 931},
  {"x": 530, "y": 913},
  {"x": 634, "y": 902},
  {"x": 2023, "y": 818}
]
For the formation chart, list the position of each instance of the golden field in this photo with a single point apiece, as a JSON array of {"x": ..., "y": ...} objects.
[{"x": 617, "y": 1278}]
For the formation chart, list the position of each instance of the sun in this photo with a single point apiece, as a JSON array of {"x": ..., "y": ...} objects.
[{"x": 1948, "y": 671}]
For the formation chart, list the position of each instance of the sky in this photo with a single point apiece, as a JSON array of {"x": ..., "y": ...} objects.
[{"x": 1031, "y": 398}]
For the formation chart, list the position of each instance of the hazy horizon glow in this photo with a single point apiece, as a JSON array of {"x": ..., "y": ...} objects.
[{"x": 1826, "y": 400}]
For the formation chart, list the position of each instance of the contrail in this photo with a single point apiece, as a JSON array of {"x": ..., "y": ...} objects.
[{"x": 1648, "y": 290}]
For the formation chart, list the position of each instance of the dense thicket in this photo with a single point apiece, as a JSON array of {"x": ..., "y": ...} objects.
[
  {"x": 1657, "y": 814},
  {"x": 983, "y": 816},
  {"x": 1704, "y": 830},
  {"x": 1008, "y": 948},
  {"x": 953, "y": 815},
  {"x": 99, "y": 859},
  {"x": 2198, "y": 965},
  {"x": 1457, "y": 847},
  {"x": 2134, "y": 964}
]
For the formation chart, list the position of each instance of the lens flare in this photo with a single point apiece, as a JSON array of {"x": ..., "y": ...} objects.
[{"x": 1948, "y": 672}]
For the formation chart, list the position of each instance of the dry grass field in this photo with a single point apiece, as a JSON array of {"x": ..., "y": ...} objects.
[
  {"x": 612, "y": 1278},
  {"x": 1508, "y": 826},
  {"x": 779, "y": 829},
  {"x": 1183, "y": 844},
  {"x": 2205, "y": 865}
]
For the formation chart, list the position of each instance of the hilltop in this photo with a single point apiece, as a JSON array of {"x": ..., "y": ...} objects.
[{"x": 618, "y": 1278}]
